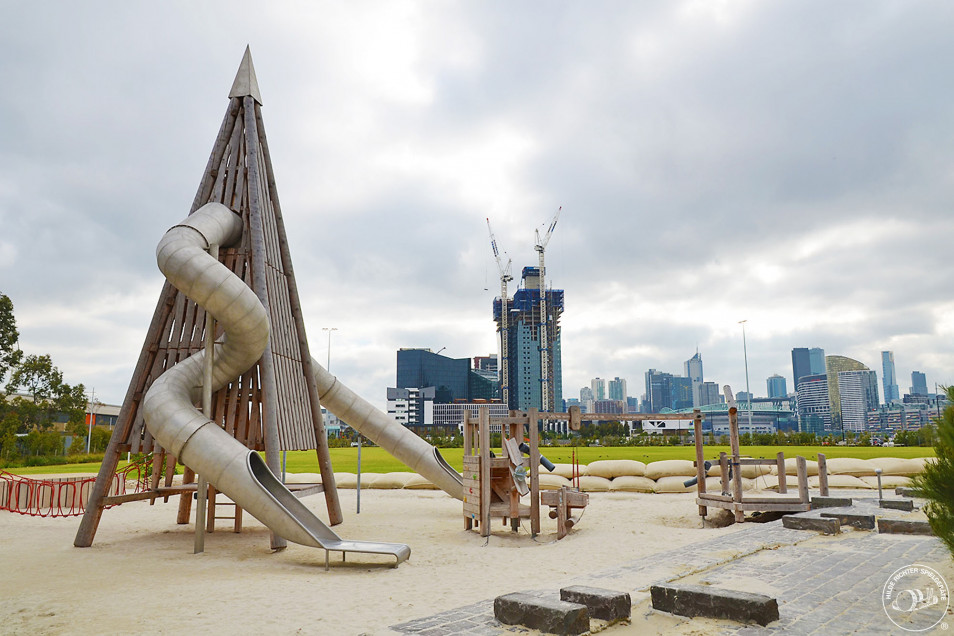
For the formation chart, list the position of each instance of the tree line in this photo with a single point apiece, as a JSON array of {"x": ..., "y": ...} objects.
[{"x": 28, "y": 420}]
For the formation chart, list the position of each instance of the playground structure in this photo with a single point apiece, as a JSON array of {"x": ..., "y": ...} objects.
[
  {"x": 493, "y": 486},
  {"x": 731, "y": 498},
  {"x": 228, "y": 331}
]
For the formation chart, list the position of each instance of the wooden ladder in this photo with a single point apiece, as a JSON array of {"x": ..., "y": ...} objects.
[{"x": 211, "y": 515}]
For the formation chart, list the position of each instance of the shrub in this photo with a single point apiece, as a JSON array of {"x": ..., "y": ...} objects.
[{"x": 936, "y": 481}]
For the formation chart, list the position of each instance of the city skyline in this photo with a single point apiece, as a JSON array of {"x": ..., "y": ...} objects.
[{"x": 695, "y": 192}]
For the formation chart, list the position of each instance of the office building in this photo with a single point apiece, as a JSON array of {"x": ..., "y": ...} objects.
[
  {"x": 681, "y": 388},
  {"x": 807, "y": 362},
  {"x": 658, "y": 391},
  {"x": 776, "y": 386},
  {"x": 889, "y": 378},
  {"x": 918, "y": 383},
  {"x": 448, "y": 418},
  {"x": 525, "y": 326},
  {"x": 692, "y": 369},
  {"x": 707, "y": 393},
  {"x": 412, "y": 407},
  {"x": 617, "y": 389}
]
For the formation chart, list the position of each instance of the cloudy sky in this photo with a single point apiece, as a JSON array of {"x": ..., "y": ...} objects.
[{"x": 786, "y": 163}]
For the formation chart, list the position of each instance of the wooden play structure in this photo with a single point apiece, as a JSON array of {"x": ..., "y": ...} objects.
[
  {"x": 492, "y": 484},
  {"x": 274, "y": 406},
  {"x": 732, "y": 498}
]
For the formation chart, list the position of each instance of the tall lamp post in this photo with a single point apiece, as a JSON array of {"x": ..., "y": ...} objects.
[
  {"x": 329, "y": 330},
  {"x": 745, "y": 354}
]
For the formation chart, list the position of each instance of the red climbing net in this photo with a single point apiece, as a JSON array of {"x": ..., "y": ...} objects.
[{"x": 66, "y": 496}]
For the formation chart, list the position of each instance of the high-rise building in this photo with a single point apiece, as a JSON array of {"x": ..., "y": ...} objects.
[
  {"x": 707, "y": 393},
  {"x": 658, "y": 391},
  {"x": 833, "y": 366},
  {"x": 419, "y": 368},
  {"x": 681, "y": 392},
  {"x": 617, "y": 389},
  {"x": 858, "y": 394},
  {"x": 801, "y": 365},
  {"x": 814, "y": 408},
  {"x": 587, "y": 399},
  {"x": 816, "y": 360},
  {"x": 599, "y": 388},
  {"x": 693, "y": 370},
  {"x": 889, "y": 378},
  {"x": 807, "y": 361},
  {"x": 524, "y": 343},
  {"x": 918, "y": 383},
  {"x": 486, "y": 363},
  {"x": 425, "y": 378},
  {"x": 776, "y": 386}
]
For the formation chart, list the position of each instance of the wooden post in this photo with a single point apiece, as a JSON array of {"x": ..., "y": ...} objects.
[
  {"x": 260, "y": 287},
  {"x": 321, "y": 439},
  {"x": 782, "y": 479},
  {"x": 802, "y": 469},
  {"x": 700, "y": 458},
  {"x": 185, "y": 499},
  {"x": 724, "y": 472},
  {"x": 736, "y": 466},
  {"x": 822, "y": 475},
  {"x": 532, "y": 421},
  {"x": 483, "y": 430}
]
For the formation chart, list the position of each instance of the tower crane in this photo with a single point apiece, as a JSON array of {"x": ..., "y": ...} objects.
[
  {"x": 546, "y": 371},
  {"x": 505, "y": 277}
]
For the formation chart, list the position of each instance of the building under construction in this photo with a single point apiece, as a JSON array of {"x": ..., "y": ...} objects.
[{"x": 524, "y": 347}]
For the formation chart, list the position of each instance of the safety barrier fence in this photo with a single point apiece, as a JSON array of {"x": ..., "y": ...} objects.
[{"x": 65, "y": 496}]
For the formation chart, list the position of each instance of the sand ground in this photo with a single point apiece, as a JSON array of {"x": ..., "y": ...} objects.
[{"x": 140, "y": 575}]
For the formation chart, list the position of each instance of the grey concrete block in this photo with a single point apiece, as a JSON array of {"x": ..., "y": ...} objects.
[
  {"x": 607, "y": 605},
  {"x": 901, "y": 526},
  {"x": 824, "y": 525},
  {"x": 714, "y": 602},
  {"x": 862, "y": 522},
  {"x": 905, "y": 491},
  {"x": 898, "y": 504},
  {"x": 830, "y": 502},
  {"x": 546, "y": 615}
]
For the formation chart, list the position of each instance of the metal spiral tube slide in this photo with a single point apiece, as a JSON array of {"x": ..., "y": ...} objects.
[{"x": 197, "y": 441}]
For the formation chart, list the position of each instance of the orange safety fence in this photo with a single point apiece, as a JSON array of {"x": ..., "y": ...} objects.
[{"x": 65, "y": 496}]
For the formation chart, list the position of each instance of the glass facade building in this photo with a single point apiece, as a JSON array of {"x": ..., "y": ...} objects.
[{"x": 889, "y": 377}]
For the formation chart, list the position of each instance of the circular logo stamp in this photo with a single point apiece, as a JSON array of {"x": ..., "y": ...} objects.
[{"x": 915, "y": 598}]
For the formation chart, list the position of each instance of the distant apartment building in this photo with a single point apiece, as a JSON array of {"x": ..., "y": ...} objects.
[
  {"x": 814, "y": 407},
  {"x": 658, "y": 391},
  {"x": 599, "y": 388},
  {"x": 858, "y": 394},
  {"x": 833, "y": 366},
  {"x": 889, "y": 378},
  {"x": 617, "y": 389},
  {"x": 707, "y": 393},
  {"x": 412, "y": 407},
  {"x": 449, "y": 418},
  {"x": 525, "y": 327}
]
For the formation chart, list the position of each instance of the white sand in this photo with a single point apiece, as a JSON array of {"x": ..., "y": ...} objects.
[{"x": 140, "y": 575}]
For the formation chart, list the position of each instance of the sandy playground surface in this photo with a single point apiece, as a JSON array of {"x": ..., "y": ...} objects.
[{"x": 140, "y": 575}]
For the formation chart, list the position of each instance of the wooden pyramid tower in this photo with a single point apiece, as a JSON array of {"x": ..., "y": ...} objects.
[{"x": 274, "y": 405}]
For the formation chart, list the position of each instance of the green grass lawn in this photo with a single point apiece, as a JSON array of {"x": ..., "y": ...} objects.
[{"x": 377, "y": 460}]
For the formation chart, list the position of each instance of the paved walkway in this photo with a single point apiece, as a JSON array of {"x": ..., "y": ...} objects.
[{"x": 824, "y": 585}]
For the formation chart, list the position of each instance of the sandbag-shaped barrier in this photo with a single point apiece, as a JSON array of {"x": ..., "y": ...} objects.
[{"x": 665, "y": 476}]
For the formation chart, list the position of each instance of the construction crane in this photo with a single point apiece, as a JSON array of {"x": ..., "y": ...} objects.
[
  {"x": 546, "y": 370},
  {"x": 505, "y": 278}
]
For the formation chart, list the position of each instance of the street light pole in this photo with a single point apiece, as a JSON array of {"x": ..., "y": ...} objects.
[
  {"x": 92, "y": 418},
  {"x": 329, "y": 330},
  {"x": 745, "y": 354}
]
